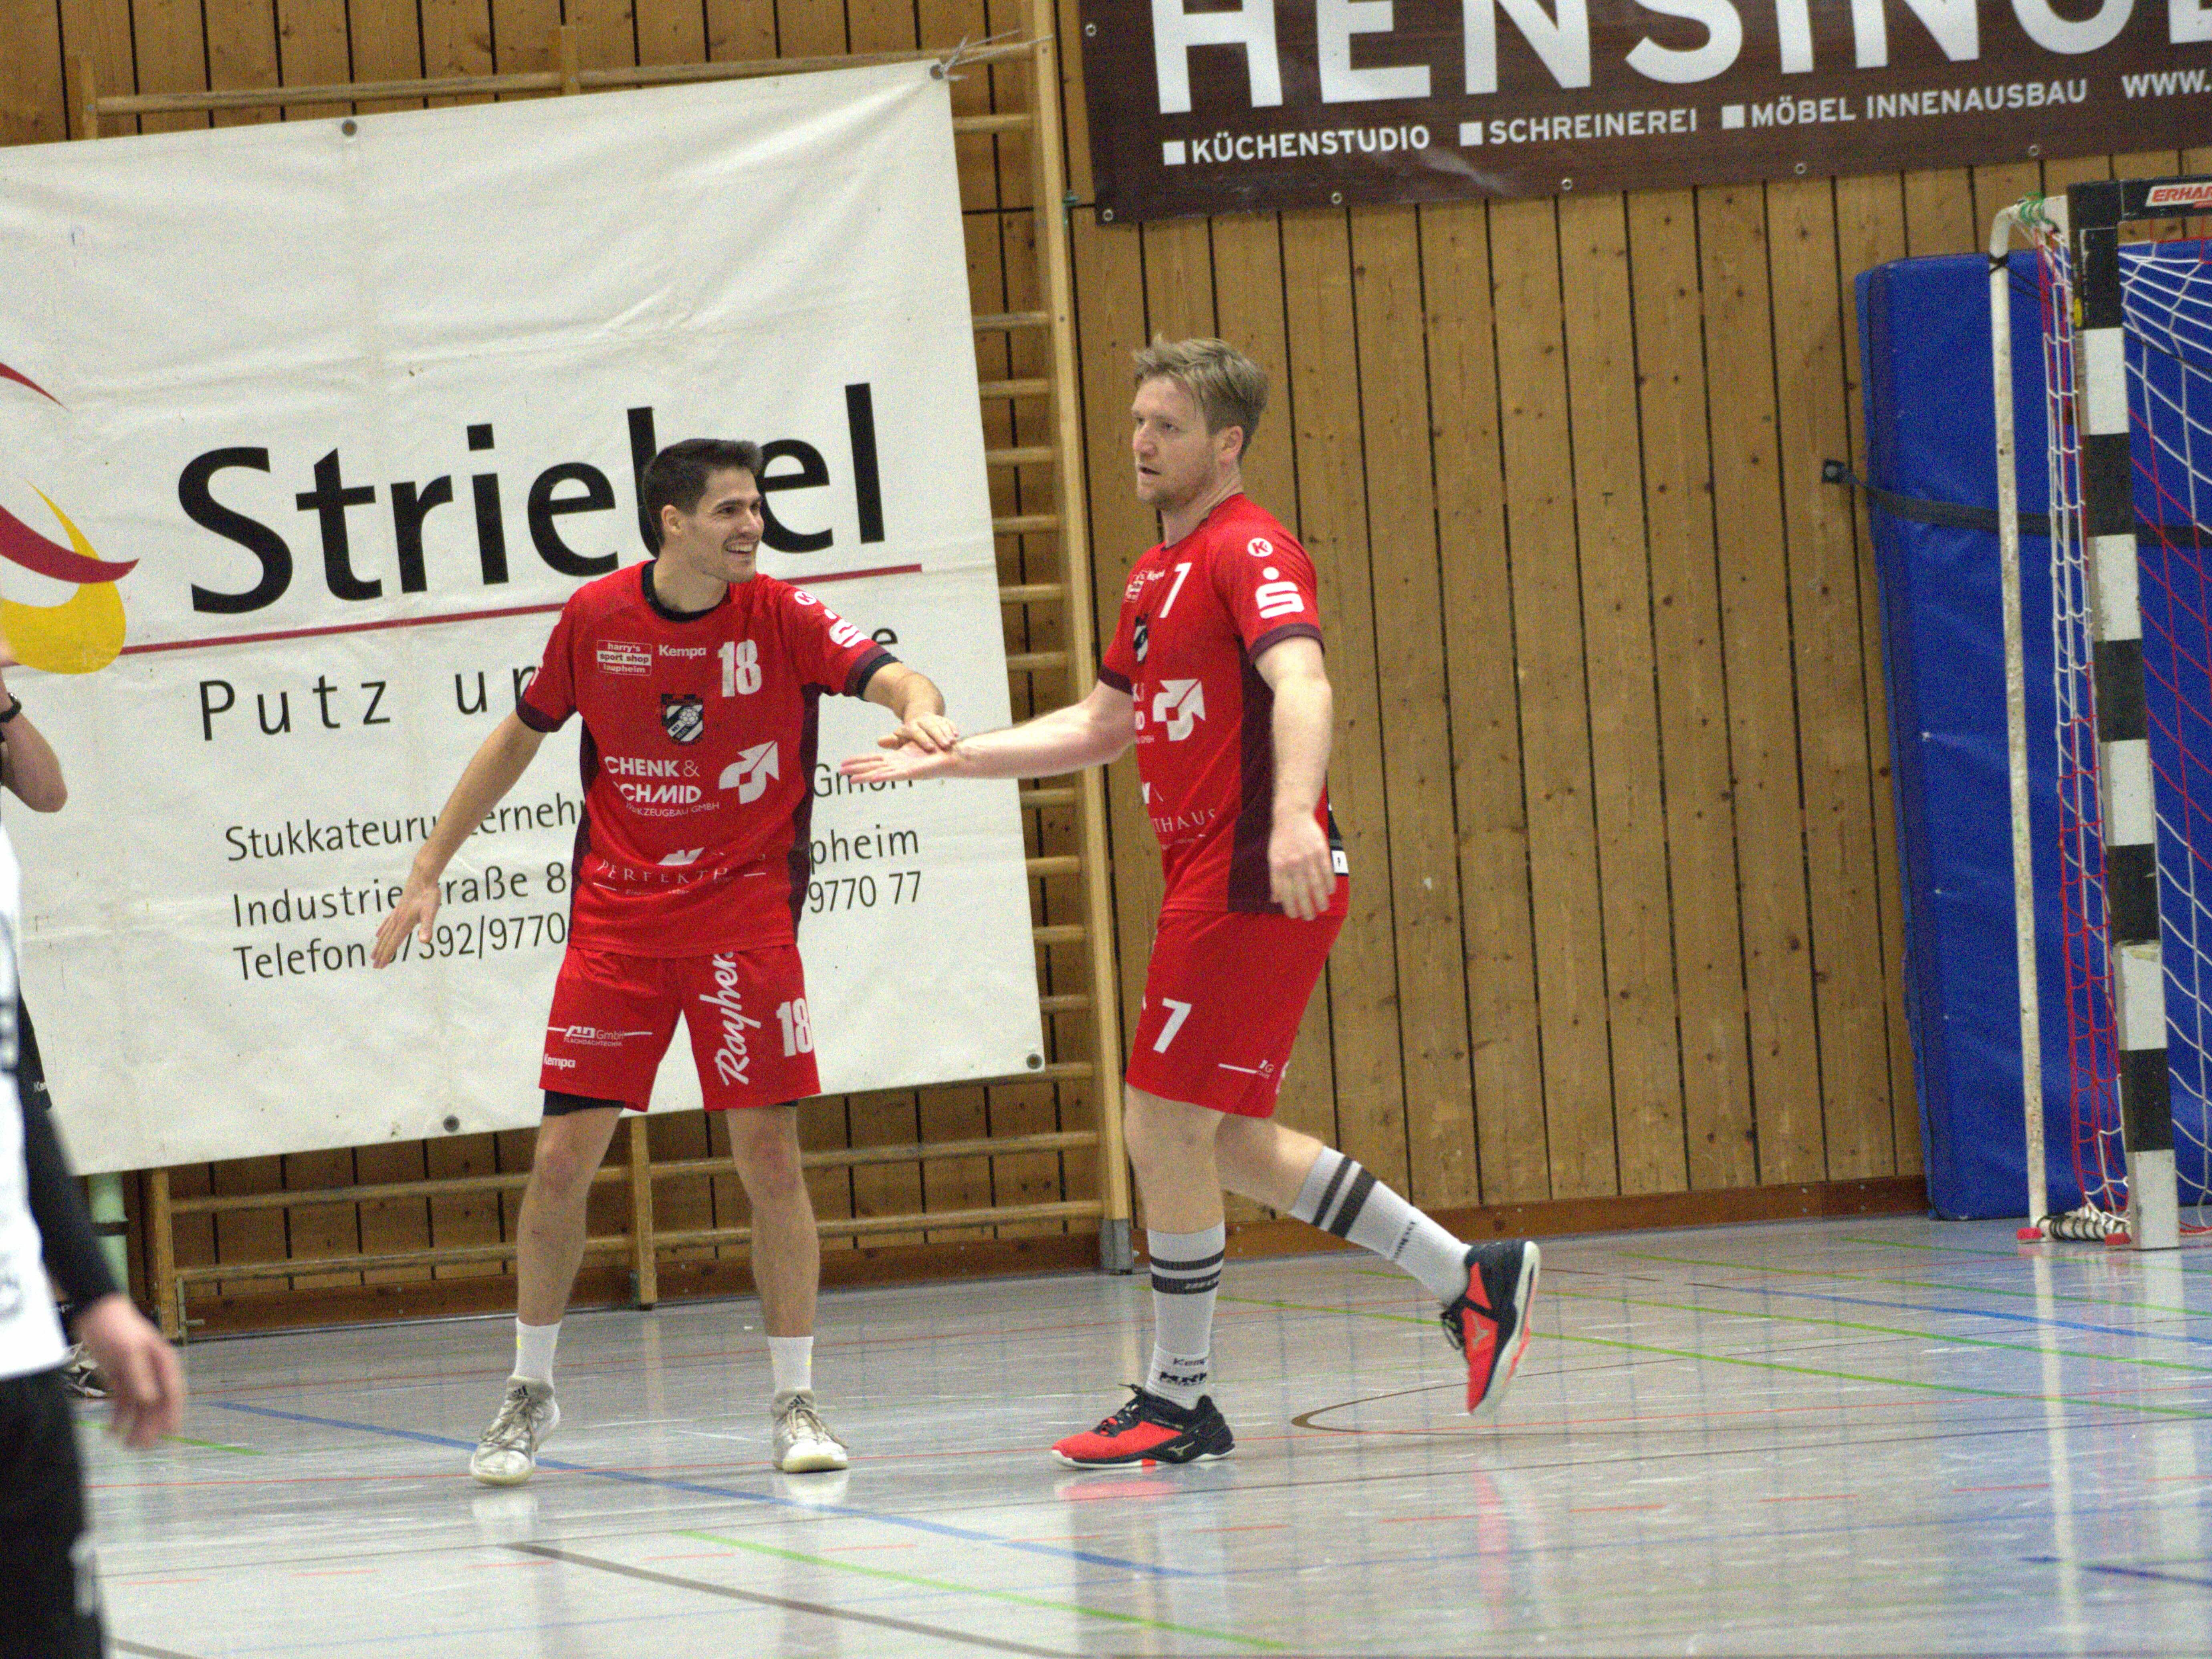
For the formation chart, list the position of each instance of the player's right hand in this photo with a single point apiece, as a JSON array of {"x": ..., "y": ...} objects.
[{"x": 417, "y": 910}]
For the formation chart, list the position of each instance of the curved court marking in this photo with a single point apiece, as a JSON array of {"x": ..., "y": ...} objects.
[
  {"x": 1013, "y": 1597},
  {"x": 630, "y": 1477}
]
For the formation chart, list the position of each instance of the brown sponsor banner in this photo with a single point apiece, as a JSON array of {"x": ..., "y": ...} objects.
[{"x": 1196, "y": 108}]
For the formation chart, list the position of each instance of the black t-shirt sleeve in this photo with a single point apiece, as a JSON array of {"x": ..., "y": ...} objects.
[{"x": 72, "y": 1249}]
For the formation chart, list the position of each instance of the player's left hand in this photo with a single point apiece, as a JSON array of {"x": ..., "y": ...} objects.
[
  {"x": 1300, "y": 876},
  {"x": 931, "y": 733},
  {"x": 140, "y": 1367}
]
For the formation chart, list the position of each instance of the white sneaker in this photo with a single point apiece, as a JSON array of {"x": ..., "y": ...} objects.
[
  {"x": 507, "y": 1454},
  {"x": 804, "y": 1444}
]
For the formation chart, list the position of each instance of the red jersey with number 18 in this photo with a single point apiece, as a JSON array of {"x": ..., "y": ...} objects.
[
  {"x": 698, "y": 756},
  {"x": 1195, "y": 615}
]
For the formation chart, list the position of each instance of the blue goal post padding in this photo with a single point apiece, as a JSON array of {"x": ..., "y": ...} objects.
[{"x": 1925, "y": 344}]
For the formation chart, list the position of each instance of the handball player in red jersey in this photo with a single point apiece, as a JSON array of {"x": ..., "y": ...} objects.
[
  {"x": 698, "y": 680},
  {"x": 1216, "y": 674}
]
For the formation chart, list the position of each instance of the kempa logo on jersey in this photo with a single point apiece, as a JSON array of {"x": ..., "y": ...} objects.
[
  {"x": 1181, "y": 704},
  {"x": 750, "y": 774},
  {"x": 84, "y": 633}
]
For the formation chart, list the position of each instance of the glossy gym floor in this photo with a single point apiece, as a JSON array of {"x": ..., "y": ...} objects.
[{"x": 1864, "y": 1436}]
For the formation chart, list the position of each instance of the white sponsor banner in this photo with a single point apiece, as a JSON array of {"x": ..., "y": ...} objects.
[{"x": 307, "y": 431}]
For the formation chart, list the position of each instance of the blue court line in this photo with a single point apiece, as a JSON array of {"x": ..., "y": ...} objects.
[
  {"x": 939, "y": 1529},
  {"x": 2113, "y": 1570},
  {"x": 2035, "y": 1320}
]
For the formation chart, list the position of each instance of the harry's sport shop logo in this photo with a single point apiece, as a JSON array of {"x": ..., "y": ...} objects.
[{"x": 84, "y": 633}]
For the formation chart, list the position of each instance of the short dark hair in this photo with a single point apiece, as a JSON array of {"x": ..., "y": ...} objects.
[
  {"x": 1229, "y": 388},
  {"x": 677, "y": 476}
]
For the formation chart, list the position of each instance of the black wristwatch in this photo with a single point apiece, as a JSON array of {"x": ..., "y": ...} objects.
[{"x": 14, "y": 708}]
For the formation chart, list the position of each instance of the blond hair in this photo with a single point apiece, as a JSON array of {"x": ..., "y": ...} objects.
[{"x": 1229, "y": 388}]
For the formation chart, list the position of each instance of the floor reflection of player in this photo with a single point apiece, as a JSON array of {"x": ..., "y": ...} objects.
[
  {"x": 697, "y": 681},
  {"x": 1216, "y": 675}
]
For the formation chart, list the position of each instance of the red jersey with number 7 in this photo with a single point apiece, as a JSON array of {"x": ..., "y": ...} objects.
[
  {"x": 698, "y": 756},
  {"x": 1195, "y": 616}
]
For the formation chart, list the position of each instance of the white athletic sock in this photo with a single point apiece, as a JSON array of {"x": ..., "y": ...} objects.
[
  {"x": 533, "y": 1351},
  {"x": 1186, "y": 1280},
  {"x": 1341, "y": 1197},
  {"x": 791, "y": 1358}
]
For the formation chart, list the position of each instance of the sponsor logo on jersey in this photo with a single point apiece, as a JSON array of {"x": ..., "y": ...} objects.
[
  {"x": 1142, "y": 638},
  {"x": 1176, "y": 826},
  {"x": 1260, "y": 548},
  {"x": 683, "y": 650},
  {"x": 1137, "y": 581},
  {"x": 687, "y": 855},
  {"x": 619, "y": 657},
  {"x": 752, "y": 772},
  {"x": 591, "y": 1037},
  {"x": 733, "y": 1058},
  {"x": 683, "y": 715},
  {"x": 1182, "y": 704}
]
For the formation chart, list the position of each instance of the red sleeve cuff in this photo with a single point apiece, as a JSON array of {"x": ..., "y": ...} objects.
[
  {"x": 536, "y": 718},
  {"x": 1108, "y": 676},
  {"x": 1277, "y": 635},
  {"x": 856, "y": 680}
]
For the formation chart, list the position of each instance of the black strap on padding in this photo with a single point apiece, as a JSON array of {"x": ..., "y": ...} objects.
[{"x": 1956, "y": 515}]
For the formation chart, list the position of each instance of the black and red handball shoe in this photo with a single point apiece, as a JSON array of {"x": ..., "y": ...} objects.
[
  {"x": 1147, "y": 1431},
  {"x": 1489, "y": 1320}
]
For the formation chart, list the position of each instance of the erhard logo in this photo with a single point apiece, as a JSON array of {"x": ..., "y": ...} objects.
[
  {"x": 2196, "y": 194},
  {"x": 683, "y": 717},
  {"x": 84, "y": 633},
  {"x": 1143, "y": 638}
]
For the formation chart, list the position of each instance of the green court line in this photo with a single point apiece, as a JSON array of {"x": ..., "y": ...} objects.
[
  {"x": 1014, "y": 1597},
  {"x": 1776, "y": 1364},
  {"x": 213, "y": 1445},
  {"x": 1905, "y": 1284}
]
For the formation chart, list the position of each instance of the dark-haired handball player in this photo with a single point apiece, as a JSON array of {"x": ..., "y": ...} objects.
[
  {"x": 1216, "y": 674},
  {"x": 698, "y": 680}
]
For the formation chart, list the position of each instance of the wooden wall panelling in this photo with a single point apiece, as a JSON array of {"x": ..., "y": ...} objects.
[
  {"x": 319, "y": 1231},
  {"x": 1852, "y": 993},
  {"x": 313, "y": 49},
  {"x": 1179, "y": 278},
  {"x": 1667, "y": 300},
  {"x": 456, "y": 41},
  {"x": 33, "y": 108},
  {"x": 1414, "y": 708},
  {"x": 670, "y": 32},
  {"x": 463, "y": 1220},
  {"x": 1939, "y": 212},
  {"x": 386, "y": 36},
  {"x": 522, "y": 37},
  {"x": 1869, "y": 232},
  {"x": 249, "y": 1235},
  {"x": 1075, "y": 109},
  {"x": 606, "y": 31},
  {"x": 169, "y": 41},
  {"x": 1362, "y": 978},
  {"x": 1642, "y": 1021},
  {"x": 1761, "y": 694},
  {"x": 1498, "y": 945},
  {"x": 1549, "y": 653},
  {"x": 242, "y": 38},
  {"x": 99, "y": 31},
  {"x": 1995, "y": 188},
  {"x": 739, "y": 31}
]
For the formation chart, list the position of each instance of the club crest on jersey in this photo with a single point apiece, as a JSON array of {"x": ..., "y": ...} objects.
[
  {"x": 1141, "y": 640},
  {"x": 683, "y": 716}
]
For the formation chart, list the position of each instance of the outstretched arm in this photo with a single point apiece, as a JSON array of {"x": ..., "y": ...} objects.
[
  {"x": 918, "y": 705},
  {"x": 1300, "y": 874},
  {"x": 503, "y": 758},
  {"x": 1086, "y": 734}
]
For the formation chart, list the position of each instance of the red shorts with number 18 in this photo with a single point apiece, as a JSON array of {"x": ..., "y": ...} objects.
[
  {"x": 1222, "y": 999},
  {"x": 613, "y": 1016}
]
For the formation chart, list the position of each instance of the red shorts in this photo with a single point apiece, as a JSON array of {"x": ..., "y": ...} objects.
[
  {"x": 613, "y": 1016},
  {"x": 1222, "y": 1005}
]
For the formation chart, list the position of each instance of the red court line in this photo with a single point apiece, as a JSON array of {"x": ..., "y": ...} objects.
[{"x": 453, "y": 616}]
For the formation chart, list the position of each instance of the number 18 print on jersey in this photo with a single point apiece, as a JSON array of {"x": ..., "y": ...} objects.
[
  {"x": 698, "y": 756},
  {"x": 1195, "y": 615}
]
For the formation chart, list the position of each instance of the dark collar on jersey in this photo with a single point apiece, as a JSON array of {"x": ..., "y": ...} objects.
[{"x": 668, "y": 613}]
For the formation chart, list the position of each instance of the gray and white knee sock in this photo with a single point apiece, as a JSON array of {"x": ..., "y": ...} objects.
[
  {"x": 1341, "y": 1197},
  {"x": 1186, "y": 1280}
]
